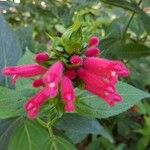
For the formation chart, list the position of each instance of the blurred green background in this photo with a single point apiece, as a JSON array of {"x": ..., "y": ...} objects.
[{"x": 123, "y": 27}]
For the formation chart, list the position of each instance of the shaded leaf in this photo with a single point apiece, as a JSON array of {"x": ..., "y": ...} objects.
[
  {"x": 78, "y": 124},
  {"x": 123, "y": 4},
  {"x": 26, "y": 41},
  {"x": 7, "y": 128}
]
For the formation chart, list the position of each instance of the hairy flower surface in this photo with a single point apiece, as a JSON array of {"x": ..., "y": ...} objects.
[
  {"x": 24, "y": 71},
  {"x": 68, "y": 94}
]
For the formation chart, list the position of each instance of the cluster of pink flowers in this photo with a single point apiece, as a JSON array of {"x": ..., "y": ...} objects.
[{"x": 99, "y": 75}]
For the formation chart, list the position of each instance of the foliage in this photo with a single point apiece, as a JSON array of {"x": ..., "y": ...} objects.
[{"x": 123, "y": 27}]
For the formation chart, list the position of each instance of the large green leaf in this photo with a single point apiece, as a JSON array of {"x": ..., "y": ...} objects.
[
  {"x": 31, "y": 136},
  {"x": 11, "y": 103},
  {"x": 76, "y": 124},
  {"x": 10, "y": 49},
  {"x": 93, "y": 106},
  {"x": 7, "y": 128},
  {"x": 25, "y": 40}
]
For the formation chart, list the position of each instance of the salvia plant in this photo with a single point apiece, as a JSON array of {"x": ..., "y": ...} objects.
[{"x": 51, "y": 95}]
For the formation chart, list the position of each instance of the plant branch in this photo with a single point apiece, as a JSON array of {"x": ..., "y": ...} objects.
[{"x": 129, "y": 22}]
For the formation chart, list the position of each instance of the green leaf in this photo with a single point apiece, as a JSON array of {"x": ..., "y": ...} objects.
[
  {"x": 29, "y": 136},
  {"x": 81, "y": 125},
  {"x": 123, "y": 4},
  {"x": 7, "y": 128},
  {"x": 92, "y": 106},
  {"x": 132, "y": 7},
  {"x": 10, "y": 49},
  {"x": 58, "y": 143},
  {"x": 27, "y": 58},
  {"x": 72, "y": 38},
  {"x": 26, "y": 41},
  {"x": 11, "y": 103},
  {"x": 115, "y": 48},
  {"x": 4, "y": 5},
  {"x": 145, "y": 18}
]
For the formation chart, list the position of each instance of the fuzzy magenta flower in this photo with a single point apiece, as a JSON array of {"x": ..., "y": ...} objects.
[
  {"x": 54, "y": 74},
  {"x": 103, "y": 67},
  {"x": 41, "y": 57},
  {"x": 95, "y": 85},
  {"x": 92, "y": 52},
  {"x": 33, "y": 105},
  {"x": 76, "y": 60},
  {"x": 93, "y": 42},
  {"x": 24, "y": 71},
  {"x": 68, "y": 94},
  {"x": 100, "y": 77},
  {"x": 94, "y": 80}
]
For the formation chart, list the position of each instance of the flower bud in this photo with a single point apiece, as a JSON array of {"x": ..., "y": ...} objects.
[
  {"x": 41, "y": 57},
  {"x": 76, "y": 60},
  {"x": 92, "y": 52},
  {"x": 93, "y": 42}
]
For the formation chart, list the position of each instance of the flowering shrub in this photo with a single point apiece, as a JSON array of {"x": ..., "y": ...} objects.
[{"x": 56, "y": 96}]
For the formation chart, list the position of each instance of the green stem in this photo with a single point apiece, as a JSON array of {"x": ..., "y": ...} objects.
[
  {"x": 41, "y": 122},
  {"x": 129, "y": 22},
  {"x": 50, "y": 131},
  {"x": 45, "y": 125}
]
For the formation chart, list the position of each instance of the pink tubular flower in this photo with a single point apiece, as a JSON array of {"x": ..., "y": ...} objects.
[
  {"x": 92, "y": 52},
  {"x": 41, "y": 57},
  {"x": 68, "y": 94},
  {"x": 110, "y": 98},
  {"x": 71, "y": 74},
  {"x": 120, "y": 68},
  {"x": 99, "y": 87},
  {"x": 93, "y": 42},
  {"x": 54, "y": 74},
  {"x": 103, "y": 67},
  {"x": 37, "y": 83},
  {"x": 76, "y": 60},
  {"x": 94, "y": 81},
  {"x": 24, "y": 71},
  {"x": 33, "y": 105}
]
